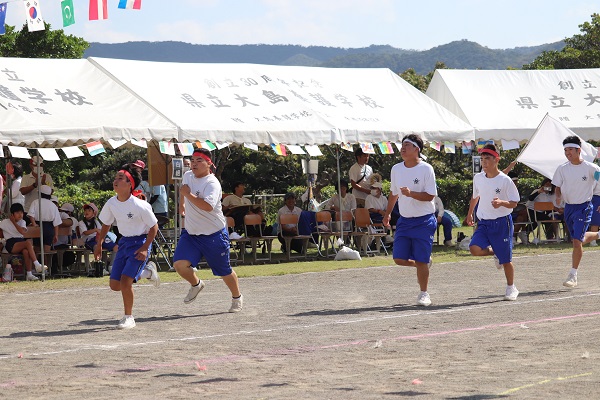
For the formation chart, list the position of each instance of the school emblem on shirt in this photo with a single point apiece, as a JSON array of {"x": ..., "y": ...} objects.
[
  {"x": 497, "y": 190},
  {"x": 416, "y": 181},
  {"x": 197, "y": 193},
  {"x": 129, "y": 215},
  {"x": 584, "y": 178}
]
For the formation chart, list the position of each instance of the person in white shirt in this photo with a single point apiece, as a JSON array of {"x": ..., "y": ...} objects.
[
  {"x": 287, "y": 229},
  {"x": 138, "y": 225},
  {"x": 359, "y": 175},
  {"x": 348, "y": 204},
  {"x": 496, "y": 195},
  {"x": 49, "y": 220},
  {"x": 29, "y": 182},
  {"x": 17, "y": 176},
  {"x": 575, "y": 181},
  {"x": 376, "y": 203},
  {"x": 205, "y": 234},
  {"x": 412, "y": 186}
]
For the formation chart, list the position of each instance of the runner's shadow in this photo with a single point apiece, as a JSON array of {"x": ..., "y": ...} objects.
[
  {"x": 478, "y": 397},
  {"x": 148, "y": 319}
]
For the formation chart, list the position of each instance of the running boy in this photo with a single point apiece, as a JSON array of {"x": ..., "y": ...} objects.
[
  {"x": 205, "y": 232},
  {"x": 497, "y": 195},
  {"x": 575, "y": 181},
  {"x": 137, "y": 224},
  {"x": 13, "y": 229},
  {"x": 413, "y": 187}
]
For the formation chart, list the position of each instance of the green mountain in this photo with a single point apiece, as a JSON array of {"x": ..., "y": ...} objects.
[{"x": 460, "y": 54}]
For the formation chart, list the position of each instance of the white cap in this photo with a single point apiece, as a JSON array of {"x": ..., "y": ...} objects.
[{"x": 45, "y": 189}]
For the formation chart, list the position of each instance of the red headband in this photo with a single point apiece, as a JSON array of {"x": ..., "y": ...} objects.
[
  {"x": 490, "y": 151},
  {"x": 204, "y": 156},
  {"x": 128, "y": 175}
]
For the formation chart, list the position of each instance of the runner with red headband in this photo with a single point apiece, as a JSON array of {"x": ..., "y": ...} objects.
[
  {"x": 497, "y": 195},
  {"x": 138, "y": 225},
  {"x": 205, "y": 234}
]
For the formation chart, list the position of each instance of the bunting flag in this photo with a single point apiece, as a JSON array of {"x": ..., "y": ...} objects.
[
  {"x": 68, "y": 13},
  {"x": 98, "y": 9},
  {"x": 313, "y": 150},
  {"x": 435, "y": 145},
  {"x": 386, "y": 148},
  {"x": 482, "y": 143},
  {"x": 115, "y": 144},
  {"x": 510, "y": 144},
  {"x": 347, "y": 147},
  {"x": 295, "y": 149},
  {"x": 49, "y": 154},
  {"x": 466, "y": 147},
  {"x": 35, "y": 22},
  {"x": 95, "y": 148},
  {"x": 130, "y": 4},
  {"x": 2, "y": 18},
  {"x": 279, "y": 149},
  {"x": 167, "y": 148},
  {"x": 140, "y": 143},
  {"x": 222, "y": 145},
  {"x": 186, "y": 149},
  {"x": 207, "y": 144},
  {"x": 72, "y": 151},
  {"x": 449, "y": 147},
  {"x": 251, "y": 146},
  {"x": 19, "y": 152},
  {"x": 367, "y": 148}
]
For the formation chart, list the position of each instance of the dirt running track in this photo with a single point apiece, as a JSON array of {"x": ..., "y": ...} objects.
[{"x": 352, "y": 334}]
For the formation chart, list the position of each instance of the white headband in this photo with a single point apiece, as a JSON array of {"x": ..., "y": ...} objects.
[
  {"x": 575, "y": 145},
  {"x": 411, "y": 142}
]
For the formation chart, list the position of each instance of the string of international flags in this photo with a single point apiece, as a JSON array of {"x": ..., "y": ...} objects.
[{"x": 98, "y": 10}]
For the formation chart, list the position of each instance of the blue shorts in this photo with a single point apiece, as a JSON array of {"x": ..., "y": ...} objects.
[
  {"x": 497, "y": 233},
  {"x": 125, "y": 262},
  {"x": 577, "y": 218},
  {"x": 595, "y": 213},
  {"x": 107, "y": 245},
  {"x": 214, "y": 248},
  {"x": 413, "y": 239}
]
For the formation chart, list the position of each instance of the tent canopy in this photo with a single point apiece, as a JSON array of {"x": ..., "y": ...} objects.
[
  {"x": 264, "y": 104},
  {"x": 61, "y": 102},
  {"x": 510, "y": 105}
]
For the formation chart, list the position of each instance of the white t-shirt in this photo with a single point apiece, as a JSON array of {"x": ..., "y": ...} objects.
[
  {"x": 134, "y": 216},
  {"x": 9, "y": 230},
  {"x": 197, "y": 221},
  {"x": 234, "y": 201},
  {"x": 356, "y": 173},
  {"x": 28, "y": 180},
  {"x": 17, "y": 197},
  {"x": 541, "y": 197},
  {"x": 487, "y": 189},
  {"x": 419, "y": 178},
  {"x": 576, "y": 182},
  {"x": 50, "y": 212},
  {"x": 83, "y": 228},
  {"x": 286, "y": 210},
  {"x": 348, "y": 202},
  {"x": 439, "y": 206},
  {"x": 376, "y": 203}
]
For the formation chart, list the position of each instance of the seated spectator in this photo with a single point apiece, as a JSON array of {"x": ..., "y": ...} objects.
[
  {"x": 89, "y": 227},
  {"x": 444, "y": 220},
  {"x": 545, "y": 193},
  {"x": 237, "y": 206},
  {"x": 49, "y": 220},
  {"x": 376, "y": 203},
  {"x": 159, "y": 203},
  {"x": 289, "y": 230},
  {"x": 348, "y": 204},
  {"x": 13, "y": 229},
  {"x": 65, "y": 241}
]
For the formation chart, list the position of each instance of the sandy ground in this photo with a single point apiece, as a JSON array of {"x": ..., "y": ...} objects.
[{"x": 353, "y": 334}]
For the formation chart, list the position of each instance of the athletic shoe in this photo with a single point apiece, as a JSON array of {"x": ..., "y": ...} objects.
[
  {"x": 126, "y": 323},
  {"x": 511, "y": 293},
  {"x": 32, "y": 278},
  {"x": 524, "y": 237},
  {"x": 448, "y": 243},
  {"x": 237, "y": 304},
  {"x": 571, "y": 281},
  {"x": 194, "y": 290},
  {"x": 593, "y": 243},
  {"x": 497, "y": 262},
  {"x": 423, "y": 299},
  {"x": 38, "y": 268},
  {"x": 154, "y": 277}
]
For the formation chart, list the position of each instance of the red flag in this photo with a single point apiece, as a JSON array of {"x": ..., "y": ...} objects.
[{"x": 98, "y": 9}]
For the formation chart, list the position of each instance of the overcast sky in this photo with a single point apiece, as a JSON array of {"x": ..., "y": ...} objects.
[{"x": 418, "y": 25}]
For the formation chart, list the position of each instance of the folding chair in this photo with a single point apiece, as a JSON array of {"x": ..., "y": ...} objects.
[
  {"x": 527, "y": 225},
  {"x": 255, "y": 220},
  {"x": 325, "y": 235},
  {"x": 546, "y": 206},
  {"x": 365, "y": 231},
  {"x": 292, "y": 219},
  {"x": 239, "y": 244},
  {"x": 343, "y": 218}
]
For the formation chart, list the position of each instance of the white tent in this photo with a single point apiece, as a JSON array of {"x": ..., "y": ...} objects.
[
  {"x": 510, "y": 104},
  {"x": 56, "y": 102},
  {"x": 263, "y": 104}
]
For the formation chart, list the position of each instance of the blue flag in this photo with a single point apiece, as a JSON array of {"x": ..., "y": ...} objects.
[{"x": 2, "y": 18}]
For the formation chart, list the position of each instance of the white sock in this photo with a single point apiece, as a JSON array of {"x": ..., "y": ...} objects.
[
  {"x": 146, "y": 274},
  {"x": 598, "y": 235},
  {"x": 574, "y": 271},
  {"x": 37, "y": 263},
  {"x": 423, "y": 292},
  {"x": 511, "y": 286},
  {"x": 29, "y": 273}
]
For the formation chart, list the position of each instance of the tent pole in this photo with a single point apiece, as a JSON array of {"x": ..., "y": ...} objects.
[
  {"x": 339, "y": 187},
  {"x": 39, "y": 190}
]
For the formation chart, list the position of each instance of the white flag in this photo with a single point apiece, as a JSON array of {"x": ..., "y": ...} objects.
[
  {"x": 35, "y": 22},
  {"x": 544, "y": 152}
]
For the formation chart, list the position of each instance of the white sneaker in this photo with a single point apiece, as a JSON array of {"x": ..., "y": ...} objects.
[
  {"x": 511, "y": 293},
  {"x": 524, "y": 237},
  {"x": 423, "y": 299},
  {"x": 571, "y": 281},
  {"x": 593, "y": 243},
  {"x": 32, "y": 278},
  {"x": 194, "y": 290},
  {"x": 237, "y": 304},
  {"x": 38, "y": 268},
  {"x": 126, "y": 323},
  {"x": 497, "y": 262},
  {"x": 155, "y": 278},
  {"x": 536, "y": 241}
]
